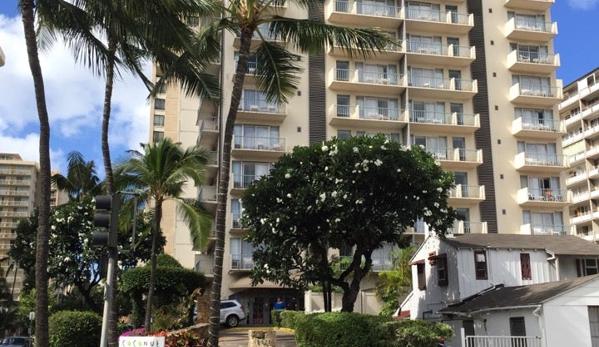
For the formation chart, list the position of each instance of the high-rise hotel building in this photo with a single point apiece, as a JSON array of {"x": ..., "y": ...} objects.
[
  {"x": 472, "y": 81},
  {"x": 580, "y": 112}
]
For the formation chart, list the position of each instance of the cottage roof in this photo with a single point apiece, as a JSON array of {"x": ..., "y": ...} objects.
[
  {"x": 556, "y": 244},
  {"x": 500, "y": 297}
]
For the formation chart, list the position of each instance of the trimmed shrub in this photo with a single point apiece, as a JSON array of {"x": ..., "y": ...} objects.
[
  {"x": 75, "y": 328},
  {"x": 338, "y": 329},
  {"x": 413, "y": 333},
  {"x": 289, "y": 318},
  {"x": 275, "y": 316}
]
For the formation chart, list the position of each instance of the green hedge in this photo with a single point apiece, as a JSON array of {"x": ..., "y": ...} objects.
[
  {"x": 75, "y": 328},
  {"x": 339, "y": 329}
]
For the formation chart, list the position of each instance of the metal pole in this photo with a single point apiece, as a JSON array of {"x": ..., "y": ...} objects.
[{"x": 134, "y": 232}]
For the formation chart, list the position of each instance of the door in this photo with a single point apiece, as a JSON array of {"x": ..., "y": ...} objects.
[
  {"x": 517, "y": 328},
  {"x": 455, "y": 42},
  {"x": 457, "y": 76},
  {"x": 454, "y": 13},
  {"x": 594, "y": 325},
  {"x": 461, "y": 178},
  {"x": 460, "y": 143},
  {"x": 468, "y": 326}
]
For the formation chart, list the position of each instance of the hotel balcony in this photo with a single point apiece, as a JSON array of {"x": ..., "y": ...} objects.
[
  {"x": 542, "y": 197},
  {"x": 367, "y": 117},
  {"x": 468, "y": 227},
  {"x": 578, "y": 178},
  {"x": 592, "y": 89},
  {"x": 379, "y": 263},
  {"x": 14, "y": 214},
  {"x": 540, "y": 162},
  {"x": 538, "y": 129},
  {"x": 568, "y": 139},
  {"x": 583, "y": 217},
  {"x": 9, "y": 225},
  {"x": 576, "y": 158},
  {"x": 236, "y": 223},
  {"x": 368, "y": 15},
  {"x": 5, "y": 171},
  {"x": 457, "y": 158},
  {"x": 536, "y": 95},
  {"x": 391, "y": 52},
  {"x": 242, "y": 262},
  {"x": 209, "y": 132},
  {"x": 531, "y": 62},
  {"x": 12, "y": 192},
  {"x": 211, "y": 168},
  {"x": 448, "y": 23},
  {"x": 467, "y": 195},
  {"x": 543, "y": 229},
  {"x": 241, "y": 182},
  {"x": 438, "y": 55},
  {"x": 208, "y": 196},
  {"x": 14, "y": 182},
  {"x": 256, "y": 147},
  {"x": 590, "y": 111},
  {"x": 6, "y": 203},
  {"x": 532, "y": 5},
  {"x": 591, "y": 133},
  {"x": 257, "y": 40},
  {"x": 260, "y": 111},
  {"x": 442, "y": 88},
  {"x": 530, "y": 30},
  {"x": 455, "y": 123},
  {"x": 359, "y": 81},
  {"x": 582, "y": 196}
]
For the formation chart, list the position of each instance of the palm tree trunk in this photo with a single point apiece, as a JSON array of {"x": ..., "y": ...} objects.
[
  {"x": 223, "y": 186},
  {"x": 148, "y": 319},
  {"x": 111, "y": 291},
  {"x": 43, "y": 232}
]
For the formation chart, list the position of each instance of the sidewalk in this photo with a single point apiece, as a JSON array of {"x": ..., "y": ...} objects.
[{"x": 238, "y": 337}]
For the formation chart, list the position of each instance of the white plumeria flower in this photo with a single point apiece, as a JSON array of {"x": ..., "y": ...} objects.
[
  {"x": 263, "y": 221},
  {"x": 287, "y": 175},
  {"x": 398, "y": 170},
  {"x": 356, "y": 150},
  {"x": 378, "y": 162},
  {"x": 334, "y": 194},
  {"x": 323, "y": 196},
  {"x": 325, "y": 148},
  {"x": 289, "y": 195},
  {"x": 337, "y": 220}
]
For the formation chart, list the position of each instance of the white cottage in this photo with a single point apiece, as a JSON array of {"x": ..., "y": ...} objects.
[{"x": 447, "y": 272}]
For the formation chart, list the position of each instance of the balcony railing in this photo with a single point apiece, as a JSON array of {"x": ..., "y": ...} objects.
[
  {"x": 501, "y": 341},
  {"x": 379, "y": 263},
  {"x": 378, "y": 10},
  {"x": 207, "y": 194},
  {"x": 428, "y": 117},
  {"x": 242, "y": 262},
  {"x": 468, "y": 227},
  {"x": 14, "y": 192},
  {"x": 547, "y": 194},
  {"x": 209, "y": 124},
  {"x": 260, "y": 105},
  {"x": 442, "y": 83},
  {"x": 438, "y": 49},
  {"x": 15, "y": 182},
  {"x": 361, "y": 76},
  {"x": 527, "y": 123},
  {"x": 536, "y": 57},
  {"x": 468, "y": 192},
  {"x": 538, "y": 90},
  {"x": 236, "y": 220},
  {"x": 543, "y": 159},
  {"x": 365, "y": 112},
  {"x": 13, "y": 214},
  {"x": 438, "y": 16},
  {"x": 244, "y": 181},
  {"x": 259, "y": 143},
  {"x": 455, "y": 154}
]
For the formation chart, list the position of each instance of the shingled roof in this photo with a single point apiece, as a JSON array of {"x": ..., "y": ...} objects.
[
  {"x": 519, "y": 296},
  {"x": 556, "y": 244}
]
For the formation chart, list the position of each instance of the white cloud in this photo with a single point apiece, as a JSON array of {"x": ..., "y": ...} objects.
[
  {"x": 75, "y": 101},
  {"x": 583, "y": 4}
]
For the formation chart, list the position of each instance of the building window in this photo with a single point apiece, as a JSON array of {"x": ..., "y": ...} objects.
[
  {"x": 480, "y": 265},
  {"x": 525, "y": 266},
  {"x": 421, "y": 276},
  {"x": 158, "y": 136},
  {"x": 159, "y": 104},
  {"x": 158, "y": 120},
  {"x": 517, "y": 326},
  {"x": 193, "y": 21},
  {"x": 587, "y": 267},
  {"x": 343, "y": 134},
  {"x": 442, "y": 278}
]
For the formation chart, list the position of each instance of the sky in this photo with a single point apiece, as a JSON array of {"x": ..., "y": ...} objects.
[{"x": 75, "y": 96}]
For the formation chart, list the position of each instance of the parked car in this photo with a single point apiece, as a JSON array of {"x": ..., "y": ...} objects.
[
  {"x": 16, "y": 341},
  {"x": 231, "y": 312}
]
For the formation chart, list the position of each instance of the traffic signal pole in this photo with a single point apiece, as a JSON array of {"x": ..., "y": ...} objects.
[{"x": 107, "y": 217}]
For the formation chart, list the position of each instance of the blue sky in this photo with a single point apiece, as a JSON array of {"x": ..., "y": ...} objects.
[{"x": 75, "y": 96}]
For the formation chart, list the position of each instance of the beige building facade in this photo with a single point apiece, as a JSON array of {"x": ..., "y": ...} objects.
[
  {"x": 474, "y": 82},
  {"x": 580, "y": 113},
  {"x": 18, "y": 198}
]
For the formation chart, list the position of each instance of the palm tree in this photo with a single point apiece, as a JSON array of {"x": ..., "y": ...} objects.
[
  {"x": 43, "y": 235},
  {"x": 81, "y": 180},
  {"x": 160, "y": 172},
  {"x": 134, "y": 31},
  {"x": 277, "y": 76}
]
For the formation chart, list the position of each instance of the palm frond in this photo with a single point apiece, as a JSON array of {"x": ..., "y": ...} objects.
[
  {"x": 277, "y": 72},
  {"x": 198, "y": 220}
]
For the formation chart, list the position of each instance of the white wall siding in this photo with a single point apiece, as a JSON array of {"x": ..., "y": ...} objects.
[{"x": 503, "y": 267}]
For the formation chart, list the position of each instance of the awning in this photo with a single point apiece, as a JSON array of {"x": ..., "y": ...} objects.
[{"x": 246, "y": 283}]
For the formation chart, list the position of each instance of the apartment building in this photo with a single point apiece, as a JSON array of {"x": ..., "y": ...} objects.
[
  {"x": 580, "y": 113},
  {"x": 18, "y": 197},
  {"x": 472, "y": 81}
]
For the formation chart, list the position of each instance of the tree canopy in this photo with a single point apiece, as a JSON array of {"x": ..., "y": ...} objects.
[{"x": 359, "y": 193}]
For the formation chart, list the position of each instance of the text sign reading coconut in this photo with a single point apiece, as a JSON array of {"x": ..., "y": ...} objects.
[{"x": 141, "y": 341}]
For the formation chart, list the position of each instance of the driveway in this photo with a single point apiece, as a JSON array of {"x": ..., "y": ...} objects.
[{"x": 238, "y": 337}]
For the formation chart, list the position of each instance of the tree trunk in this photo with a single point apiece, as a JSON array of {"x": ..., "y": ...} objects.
[
  {"x": 43, "y": 233},
  {"x": 111, "y": 292},
  {"x": 150, "y": 297},
  {"x": 223, "y": 186}
]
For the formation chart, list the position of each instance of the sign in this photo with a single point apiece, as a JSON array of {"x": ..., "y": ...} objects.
[{"x": 142, "y": 341}]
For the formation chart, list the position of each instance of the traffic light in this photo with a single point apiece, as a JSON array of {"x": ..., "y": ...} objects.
[{"x": 106, "y": 217}]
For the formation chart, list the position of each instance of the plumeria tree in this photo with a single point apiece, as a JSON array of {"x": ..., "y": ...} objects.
[
  {"x": 73, "y": 261},
  {"x": 359, "y": 193}
]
